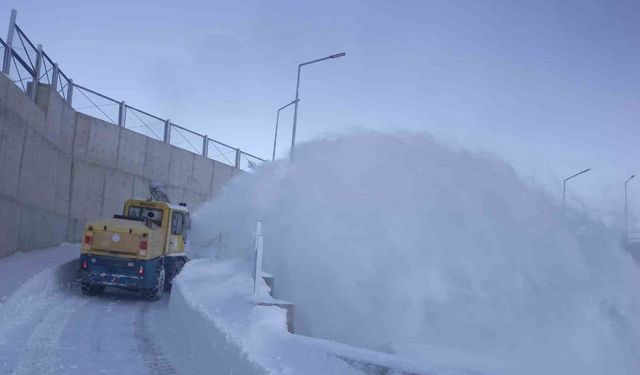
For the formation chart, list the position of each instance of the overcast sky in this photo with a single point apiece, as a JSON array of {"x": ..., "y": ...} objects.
[{"x": 551, "y": 87}]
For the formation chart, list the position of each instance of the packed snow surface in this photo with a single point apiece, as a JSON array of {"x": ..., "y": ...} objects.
[
  {"x": 400, "y": 244},
  {"x": 48, "y": 327}
]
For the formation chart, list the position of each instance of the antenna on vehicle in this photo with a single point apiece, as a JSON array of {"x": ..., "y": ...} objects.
[{"x": 158, "y": 192}]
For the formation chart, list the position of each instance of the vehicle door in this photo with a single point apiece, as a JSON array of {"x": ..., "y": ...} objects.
[{"x": 177, "y": 233}]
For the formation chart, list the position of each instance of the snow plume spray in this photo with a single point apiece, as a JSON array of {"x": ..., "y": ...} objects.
[{"x": 400, "y": 244}]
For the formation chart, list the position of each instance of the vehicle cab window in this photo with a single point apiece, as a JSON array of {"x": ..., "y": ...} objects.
[
  {"x": 152, "y": 214},
  {"x": 177, "y": 223}
]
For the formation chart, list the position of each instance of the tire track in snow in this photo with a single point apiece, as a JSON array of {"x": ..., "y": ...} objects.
[
  {"x": 41, "y": 355},
  {"x": 153, "y": 356}
]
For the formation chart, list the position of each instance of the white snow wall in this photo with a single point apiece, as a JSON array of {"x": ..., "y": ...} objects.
[
  {"x": 401, "y": 244},
  {"x": 59, "y": 168}
]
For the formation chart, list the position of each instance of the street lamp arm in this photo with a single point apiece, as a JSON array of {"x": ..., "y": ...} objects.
[
  {"x": 629, "y": 179},
  {"x": 577, "y": 174},
  {"x": 285, "y": 106},
  {"x": 295, "y": 107},
  {"x": 322, "y": 59}
]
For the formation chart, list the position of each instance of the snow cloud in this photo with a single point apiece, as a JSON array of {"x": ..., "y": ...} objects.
[{"x": 398, "y": 243}]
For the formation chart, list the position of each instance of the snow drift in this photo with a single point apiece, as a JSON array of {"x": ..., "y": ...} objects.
[{"x": 400, "y": 244}]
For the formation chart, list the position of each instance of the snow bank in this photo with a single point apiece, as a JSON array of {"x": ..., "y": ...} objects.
[
  {"x": 215, "y": 323},
  {"x": 18, "y": 268},
  {"x": 400, "y": 244},
  {"x": 28, "y": 279},
  {"x": 223, "y": 328}
]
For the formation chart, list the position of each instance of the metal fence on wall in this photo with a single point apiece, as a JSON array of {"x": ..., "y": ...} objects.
[{"x": 27, "y": 64}]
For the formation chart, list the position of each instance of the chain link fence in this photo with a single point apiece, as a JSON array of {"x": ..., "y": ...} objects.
[
  {"x": 187, "y": 139},
  {"x": 222, "y": 153},
  {"x": 144, "y": 123}
]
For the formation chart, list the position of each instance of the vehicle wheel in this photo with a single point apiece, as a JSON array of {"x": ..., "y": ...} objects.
[
  {"x": 92, "y": 289},
  {"x": 175, "y": 270},
  {"x": 155, "y": 293}
]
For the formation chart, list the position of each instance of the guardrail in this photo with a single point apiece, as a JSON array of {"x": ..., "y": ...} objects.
[{"x": 27, "y": 65}]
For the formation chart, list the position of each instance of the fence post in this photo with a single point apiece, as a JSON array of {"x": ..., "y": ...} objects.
[
  {"x": 36, "y": 75},
  {"x": 6, "y": 66},
  {"x": 238, "y": 158},
  {"x": 205, "y": 146},
  {"x": 55, "y": 76},
  {"x": 70, "y": 93},
  {"x": 258, "y": 247},
  {"x": 122, "y": 114},
  {"x": 167, "y": 131}
]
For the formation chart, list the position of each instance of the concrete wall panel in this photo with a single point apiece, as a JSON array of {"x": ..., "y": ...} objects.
[
  {"x": 102, "y": 148},
  {"x": 9, "y": 225},
  {"x": 67, "y": 129},
  {"x": 38, "y": 172},
  {"x": 117, "y": 189},
  {"x": 131, "y": 156},
  {"x": 222, "y": 173},
  {"x": 175, "y": 193},
  {"x": 140, "y": 188},
  {"x": 157, "y": 161},
  {"x": 53, "y": 115},
  {"x": 75, "y": 230},
  {"x": 202, "y": 175},
  {"x": 132, "y": 152},
  {"x": 4, "y": 84},
  {"x": 63, "y": 185},
  {"x": 11, "y": 144},
  {"x": 31, "y": 234},
  {"x": 81, "y": 137},
  {"x": 181, "y": 167},
  {"x": 86, "y": 191},
  {"x": 24, "y": 108}
]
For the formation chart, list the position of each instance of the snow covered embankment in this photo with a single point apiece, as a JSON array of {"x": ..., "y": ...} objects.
[
  {"x": 28, "y": 276},
  {"x": 28, "y": 281},
  {"x": 217, "y": 324}
]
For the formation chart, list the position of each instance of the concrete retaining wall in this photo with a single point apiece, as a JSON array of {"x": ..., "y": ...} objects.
[{"x": 59, "y": 168}]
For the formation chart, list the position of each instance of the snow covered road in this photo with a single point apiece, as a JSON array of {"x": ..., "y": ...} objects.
[{"x": 49, "y": 327}]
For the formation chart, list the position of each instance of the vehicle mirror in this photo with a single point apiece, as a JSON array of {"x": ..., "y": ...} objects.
[{"x": 187, "y": 222}]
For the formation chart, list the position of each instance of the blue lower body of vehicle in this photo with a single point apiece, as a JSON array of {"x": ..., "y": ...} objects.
[{"x": 118, "y": 272}]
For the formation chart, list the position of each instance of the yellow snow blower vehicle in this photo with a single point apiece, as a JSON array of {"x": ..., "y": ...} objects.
[{"x": 141, "y": 250}]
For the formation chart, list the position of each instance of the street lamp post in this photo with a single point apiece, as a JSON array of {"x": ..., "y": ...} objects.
[
  {"x": 564, "y": 188},
  {"x": 275, "y": 137},
  {"x": 295, "y": 110},
  {"x": 626, "y": 211}
]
